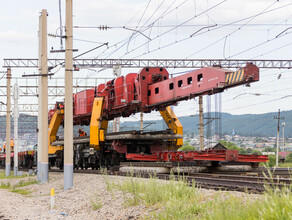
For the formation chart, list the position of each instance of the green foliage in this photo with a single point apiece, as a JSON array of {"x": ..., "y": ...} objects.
[
  {"x": 269, "y": 149},
  {"x": 5, "y": 186},
  {"x": 288, "y": 158},
  {"x": 286, "y": 164},
  {"x": 256, "y": 152},
  {"x": 3, "y": 176},
  {"x": 229, "y": 145},
  {"x": 187, "y": 147},
  {"x": 232, "y": 146},
  {"x": 17, "y": 187},
  {"x": 21, "y": 191},
  {"x": 248, "y": 150},
  {"x": 95, "y": 204},
  {"x": 25, "y": 183},
  {"x": 179, "y": 200},
  {"x": 272, "y": 161},
  {"x": 242, "y": 150}
]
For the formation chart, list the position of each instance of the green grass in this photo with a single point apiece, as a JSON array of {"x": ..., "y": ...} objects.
[
  {"x": 286, "y": 164},
  {"x": 17, "y": 187},
  {"x": 178, "y": 200},
  {"x": 26, "y": 183},
  {"x": 95, "y": 204},
  {"x": 3, "y": 176},
  {"x": 20, "y": 191},
  {"x": 5, "y": 186}
]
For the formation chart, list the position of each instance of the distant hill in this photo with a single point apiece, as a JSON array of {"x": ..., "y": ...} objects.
[{"x": 261, "y": 125}]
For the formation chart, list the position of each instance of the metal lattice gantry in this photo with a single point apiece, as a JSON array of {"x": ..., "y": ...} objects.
[
  {"x": 140, "y": 63},
  {"x": 28, "y": 90},
  {"x": 29, "y": 85},
  {"x": 24, "y": 108}
]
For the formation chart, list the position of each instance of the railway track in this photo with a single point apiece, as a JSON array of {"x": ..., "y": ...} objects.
[
  {"x": 239, "y": 182},
  {"x": 224, "y": 181}
]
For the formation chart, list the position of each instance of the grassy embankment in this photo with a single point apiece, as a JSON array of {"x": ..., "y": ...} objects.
[
  {"x": 286, "y": 164},
  {"x": 17, "y": 188},
  {"x": 177, "y": 200},
  {"x": 3, "y": 176}
]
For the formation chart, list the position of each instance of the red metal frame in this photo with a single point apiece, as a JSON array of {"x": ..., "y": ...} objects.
[
  {"x": 152, "y": 89},
  {"x": 206, "y": 155}
]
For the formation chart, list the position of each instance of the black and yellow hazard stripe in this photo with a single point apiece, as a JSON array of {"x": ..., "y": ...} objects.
[{"x": 234, "y": 77}]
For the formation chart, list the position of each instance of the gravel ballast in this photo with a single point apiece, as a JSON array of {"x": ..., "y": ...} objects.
[{"x": 75, "y": 203}]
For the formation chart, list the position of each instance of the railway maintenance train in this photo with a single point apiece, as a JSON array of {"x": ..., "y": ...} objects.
[{"x": 149, "y": 90}]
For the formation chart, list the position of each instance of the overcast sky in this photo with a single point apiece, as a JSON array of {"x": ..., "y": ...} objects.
[{"x": 166, "y": 27}]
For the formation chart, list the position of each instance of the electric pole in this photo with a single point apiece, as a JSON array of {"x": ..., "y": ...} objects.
[
  {"x": 283, "y": 127},
  {"x": 201, "y": 123},
  {"x": 141, "y": 121},
  {"x": 39, "y": 154},
  {"x": 68, "y": 131},
  {"x": 278, "y": 131},
  {"x": 117, "y": 71},
  {"x": 7, "y": 151},
  {"x": 15, "y": 121},
  {"x": 44, "y": 102}
]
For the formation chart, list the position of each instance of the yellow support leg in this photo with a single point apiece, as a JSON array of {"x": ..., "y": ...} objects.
[
  {"x": 53, "y": 129},
  {"x": 98, "y": 127},
  {"x": 173, "y": 124}
]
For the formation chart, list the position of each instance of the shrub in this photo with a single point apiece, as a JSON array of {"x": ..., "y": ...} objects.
[{"x": 288, "y": 158}]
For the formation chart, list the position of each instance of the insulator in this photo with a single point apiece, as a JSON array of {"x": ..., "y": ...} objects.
[
  {"x": 52, "y": 35},
  {"x": 103, "y": 27}
]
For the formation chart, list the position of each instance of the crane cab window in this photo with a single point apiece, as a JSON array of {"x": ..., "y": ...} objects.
[
  {"x": 200, "y": 77},
  {"x": 170, "y": 86},
  {"x": 190, "y": 80},
  {"x": 156, "y": 90},
  {"x": 180, "y": 83},
  {"x": 149, "y": 92}
]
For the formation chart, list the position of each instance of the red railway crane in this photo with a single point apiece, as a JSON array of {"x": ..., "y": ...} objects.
[{"x": 150, "y": 89}]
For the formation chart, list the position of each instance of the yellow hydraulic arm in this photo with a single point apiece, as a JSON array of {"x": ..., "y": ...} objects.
[
  {"x": 173, "y": 123},
  {"x": 53, "y": 129},
  {"x": 98, "y": 127}
]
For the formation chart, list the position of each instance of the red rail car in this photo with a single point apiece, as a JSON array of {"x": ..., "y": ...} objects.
[{"x": 26, "y": 159}]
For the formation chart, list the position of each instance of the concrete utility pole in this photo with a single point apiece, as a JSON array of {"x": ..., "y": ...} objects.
[
  {"x": 278, "y": 131},
  {"x": 68, "y": 131},
  {"x": 44, "y": 103},
  {"x": 201, "y": 123},
  {"x": 283, "y": 127},
  {"x": 15, "y": 121},
  {"x": 141, "y": 121},
  {"x": 7, "y": 151},
  {"x": 117, "y": 71},
  {"x": 39, "y": 176}
]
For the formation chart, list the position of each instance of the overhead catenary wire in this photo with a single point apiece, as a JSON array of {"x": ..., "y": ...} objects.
[
  {"x": 165, "y": 13},
  {"x": 171, "y": 29},
  {"x": 258, "y": 45},
  {"x": 198, "y": 34},
  {"x": 249, "y": 18}
]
